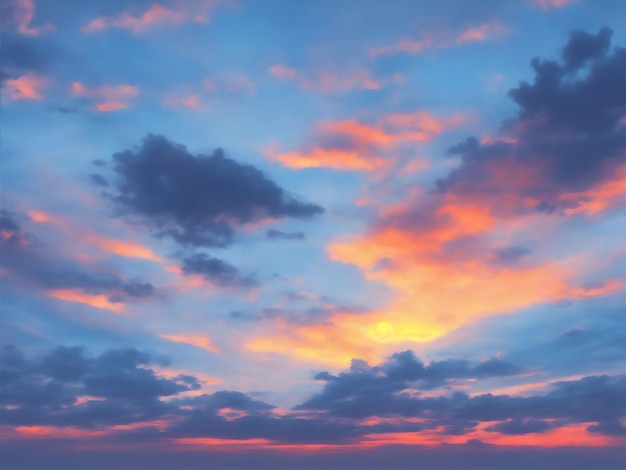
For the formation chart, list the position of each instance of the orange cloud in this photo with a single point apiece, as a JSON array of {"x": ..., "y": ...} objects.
[
  {"x": 605, "y": 195},
  {"x": 438, "y": 259},
  {"x": 156, "y": 16},
  {"x": 572, "y": 435},
  {"x": 96, "y": 301},
  {"x": 323, "y": 158},
  {"x": 107, "y": 98},
  {"x": 199, "y": 341},
  {"x": 123, "y": 248},
  {"x": 363, "y": 145},
  {"x": 21, "y": 13},
  {"x": 115, "y": 246},
  {"x": 39, "y": 217},
  {"x": 26, "y": 87}
]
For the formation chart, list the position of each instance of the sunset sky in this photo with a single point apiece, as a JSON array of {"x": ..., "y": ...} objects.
[{"x": 355, "y": 234}]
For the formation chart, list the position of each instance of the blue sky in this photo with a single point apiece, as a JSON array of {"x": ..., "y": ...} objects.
[{"x": 269, "y": 233}]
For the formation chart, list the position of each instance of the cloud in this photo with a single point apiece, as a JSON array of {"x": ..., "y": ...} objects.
[
  {"x": 374, "y": 391},
  {"x": 119, "y": 394},
  {"x": 520, "y": 426},
  {"x": 216, "y": 271},
  {"x": 155, "y": 16},
  {"x": 198, "y": 200},
  {"x": 551, "y": 4},
  {"x": 26, "y": 87},
  {"x": 274, "y": 234},
  {"x": 366, "y": 391},
  {"x": 329, "y": 82},
  {"x": 18, "y": 14},
  {"x": 199, "y": 341},
  {"x": 444, "y": 40},
  {"x": 568, "y": 149},
  {"x": 29, "y": 261},
  {"x": 482, "y": 33},
  {"x": 283, "y": 72},
  {"x": 583, "y": 47},
  {"x": 47, "y": 390},
  {"x": 106, "y": 98},
  {"x": 564, "y": 159},
  {"x": 359, "y": 146}
]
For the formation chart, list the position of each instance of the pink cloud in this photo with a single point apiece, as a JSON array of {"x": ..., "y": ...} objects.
[
  {"x": 106, "y": 98},
  {"x": 26, "y": 87},
  {"x": 283, "y": 72},
  {"x": 199, "y": 341},
  {"x": 197, "y": 97},
  {"x": 410, "y": 46},
  {"x": 190, "y": 101},
  {"x": 549, "y": 4},
  {"x": 156, "y": 16},
  {"x": 20, "y": 13},
  {"x": 484, "y": 32}
]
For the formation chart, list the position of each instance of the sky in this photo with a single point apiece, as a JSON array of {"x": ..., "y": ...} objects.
[{"x": 349, "y": 234}]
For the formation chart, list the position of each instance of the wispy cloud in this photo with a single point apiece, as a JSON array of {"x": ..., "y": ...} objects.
[
  {"x": 442, "y": 40},
  {"x": 156, "y": 16},
  {"x": 106, "y": 98}
]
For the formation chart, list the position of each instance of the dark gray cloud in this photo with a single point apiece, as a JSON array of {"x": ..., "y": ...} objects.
[
  {"x": 569, "y": 132},
  {"x": 45, "y": 391},
  {"x": 98, "y": 180},
  {"x": 583, "y": 47},
  {"x": 304, "y": 316},
  {"x": 376, "y": 391},
  {"x": 511, "y": 255},
  {"x": 30, "y": 261},
  {"x": 216, "y": 271},
  {"x": 274, "y": 234},
  {"x": 383, "y": 391},
  {"x": 198, "y": 200},
  {"x": 520, "y": 426}
]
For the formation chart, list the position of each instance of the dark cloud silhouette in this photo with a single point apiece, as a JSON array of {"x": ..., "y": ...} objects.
[
  {"x": 511, "y": 255},
  {"x": 520, "y": 426},
  {"x": 583, "y": 47},
  {"x": 568, "y": 135},
  {"x": 45, "y": 391},
  {"x": 278, "y": 235},
  {"x": 22, "y": 53},
  {"x": 216, "y": 271},
  {"x": 468, "y": 145},
  {"x": 30, "y": 261},
  {"x": 98, "y": 180},
  {"x": 376, "y": 391},
  {"x": 124, "y": 389},
  {"x": 198, "y": 200}
]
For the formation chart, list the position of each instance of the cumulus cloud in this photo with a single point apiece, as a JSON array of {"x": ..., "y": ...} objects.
[
  {"x": 69, "y": 388},
  {"x": 197, "y": 200},
  {"x": 216, "y": 271},
  {"x": 568, "y": 147}
]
